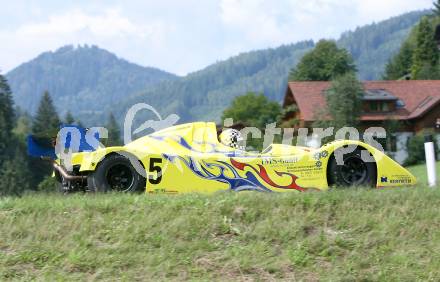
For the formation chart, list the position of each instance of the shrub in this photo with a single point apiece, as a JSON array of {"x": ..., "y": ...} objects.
[
  {"x": 416, "y": 150},
  {"x": 48, "y": 185}
]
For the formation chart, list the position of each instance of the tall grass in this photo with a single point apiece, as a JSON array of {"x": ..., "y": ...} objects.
[
  {"x": 356, "y": 234},
  {"x": 421, "y": 173}
]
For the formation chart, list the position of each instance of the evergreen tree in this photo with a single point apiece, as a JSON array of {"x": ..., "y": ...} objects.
[
  {"x": 114, "y": 133},
  {"x": 323, "y": 63},
  {"x": 46, "y": 122},
  {"x": 69, "y": 119},
  {"x": 14, "y": 174},
  {"x": 426, "y": 53},
  {"x": 23, "y": 126},
  {"x": 436, "y": 9},
  {"x": 6, "y": 117},
  {"x": 45, "y": 125},
  {"x": 400, "y": 65},
  {"x": 6, "y": 103}
]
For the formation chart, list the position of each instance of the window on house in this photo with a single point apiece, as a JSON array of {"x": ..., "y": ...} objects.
[{"x": 377, "y": 106}]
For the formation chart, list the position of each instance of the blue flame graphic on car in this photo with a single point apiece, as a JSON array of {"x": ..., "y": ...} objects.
[{"x": 236, "y": 183}]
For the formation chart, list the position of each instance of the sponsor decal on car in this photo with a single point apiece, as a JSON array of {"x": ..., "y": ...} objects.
[{"x": 275, "y": 161}]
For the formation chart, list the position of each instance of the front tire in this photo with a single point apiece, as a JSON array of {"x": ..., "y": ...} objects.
[
  {"x": 116, "y": 174},
  {"x": 353, "y": 172}
]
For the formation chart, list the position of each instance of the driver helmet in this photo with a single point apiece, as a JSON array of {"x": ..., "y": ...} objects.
[{"x": 232, "y": 138}]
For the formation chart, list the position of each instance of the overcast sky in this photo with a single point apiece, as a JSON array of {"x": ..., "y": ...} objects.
[{"x": 180, "y": 36}]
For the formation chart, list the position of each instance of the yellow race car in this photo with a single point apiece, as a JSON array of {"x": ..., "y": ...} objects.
[{"x": 194, "y": 158}]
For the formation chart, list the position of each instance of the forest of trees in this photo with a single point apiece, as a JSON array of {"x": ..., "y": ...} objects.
[
  {"x": 14, "y": 167},
  {"x": 418, "y": 57},
  {"x": 204, "y": 95},
  {"x": 19, "y": 172},
  {"x": 91, "y": 82},
  {"x": 81, "y": 79}
]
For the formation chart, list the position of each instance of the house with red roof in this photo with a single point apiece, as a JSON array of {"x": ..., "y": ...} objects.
[{"x": 414, "y": 104}]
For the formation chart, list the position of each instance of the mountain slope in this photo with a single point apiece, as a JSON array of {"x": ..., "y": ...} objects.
[
  {"x": 372, "y": 45},
  {"x": 92, "y": 82},
  {"x": 80, "y": 79},
  {"x": 203, "y": 95}
]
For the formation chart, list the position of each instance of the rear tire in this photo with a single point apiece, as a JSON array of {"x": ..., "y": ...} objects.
[
  {"x": 353, "y": 172},
  {"x": 116, "y": 174}
]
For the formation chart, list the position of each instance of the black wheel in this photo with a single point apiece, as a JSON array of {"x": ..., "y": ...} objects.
[
  {"x": 354, "y": 171},
  {"x": 116, "y": 174}
]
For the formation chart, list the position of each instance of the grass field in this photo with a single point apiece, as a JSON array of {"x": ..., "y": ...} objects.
[
  {"x": 420, "y": 172},
  {"x": 344, "y": 235}
]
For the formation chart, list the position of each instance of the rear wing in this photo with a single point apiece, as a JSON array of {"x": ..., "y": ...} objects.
[{"x": 44, "y": 147}]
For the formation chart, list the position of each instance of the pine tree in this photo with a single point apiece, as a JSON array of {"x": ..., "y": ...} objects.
[
  {"x": 45, "y": 125},
  {"x": 14, "y": 172},
  {"x": 426, "y": 53},
  {"x": 6, "y": 102},
  {"x": 23, "y": 126},
  {"x": 14, "y": 175},
  {"x": 114, "y": 133},
  {"x": 46, "y": 122},
  {"x": 6, "y": 117},
  {"x": 436, "y": 9},
  {"x": 400, "y": 65},
  {"x": 69, "y": 119}
]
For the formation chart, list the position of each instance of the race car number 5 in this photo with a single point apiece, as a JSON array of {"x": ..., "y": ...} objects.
[{"x": 154, "y": 167}]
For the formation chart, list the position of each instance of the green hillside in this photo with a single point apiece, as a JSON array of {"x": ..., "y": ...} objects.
[
  {"x": 203, "y": 95},
  {"x": 92, "y": 82},
  {"x": 373, "y": 45},
  {"x": 81, "y": 79}
]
